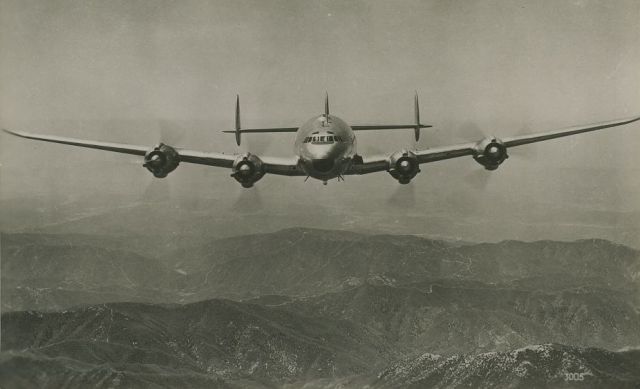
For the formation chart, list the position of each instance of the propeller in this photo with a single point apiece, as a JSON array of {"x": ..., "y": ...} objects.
[
  {"x": 158, "y": 190},
  {"x": 370, "y": 150},
  {"x": 248, "y": 201},
  {"x": 258, "y": 144},
  {"x": 170, "y": 133},
  {"x": 528, "y": 152},
  {"x": 469, "y": 131},
  {"x": 404, "y": 196},
  {"x": 479, "y": 178}
]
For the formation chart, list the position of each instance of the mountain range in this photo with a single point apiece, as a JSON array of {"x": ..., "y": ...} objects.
[
  {"x": 293, "y": 262},
  {"x": 317, "y": 308},
  {"x": 226, "y": 344}
]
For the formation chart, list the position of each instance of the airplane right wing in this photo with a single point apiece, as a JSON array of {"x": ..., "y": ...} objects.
[
  {"x": 539, "y": 137},
  {"x": 489, "y": 152},
  {"x": 163, "y": 159}
]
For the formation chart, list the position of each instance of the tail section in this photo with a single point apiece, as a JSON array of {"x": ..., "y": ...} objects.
[{"x": 416, "y": 126}]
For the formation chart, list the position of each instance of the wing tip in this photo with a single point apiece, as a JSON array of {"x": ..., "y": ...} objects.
[{"x": 16, "y": 133}]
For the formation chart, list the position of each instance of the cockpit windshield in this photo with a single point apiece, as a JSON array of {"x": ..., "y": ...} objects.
[{"x": 322, "y": 139}]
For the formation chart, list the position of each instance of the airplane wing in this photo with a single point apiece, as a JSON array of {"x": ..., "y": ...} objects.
[
  {"x": 533, "y": 138},
  {"x": 271, "y": 165},
  {"x": 382, "y": 163}
]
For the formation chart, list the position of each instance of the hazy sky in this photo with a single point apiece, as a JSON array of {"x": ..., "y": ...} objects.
[{"x": 119, "y": 70}]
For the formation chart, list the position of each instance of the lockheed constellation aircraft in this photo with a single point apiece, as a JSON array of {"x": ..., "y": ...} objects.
[{"x": 325, "y": 148}]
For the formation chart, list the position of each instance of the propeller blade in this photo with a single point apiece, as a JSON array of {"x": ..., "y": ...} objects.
[
  {"x": 404, "y": 196},
  {"x": 373, "y": 150},
  {"x": 248, "y": 201},
  {"x": 478, "y": 179},
  {"x": 451, "y": 132},
  {"x": 170, "y": 133},
  {"x": 470, "y": 131},
  {"x": 258, "y": 145},
  {"x": 158, "y": 190},
  {"x": 527, "y": 152}
]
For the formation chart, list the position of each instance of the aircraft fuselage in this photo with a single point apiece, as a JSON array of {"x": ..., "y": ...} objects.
[{"x": 325, "y": 145}]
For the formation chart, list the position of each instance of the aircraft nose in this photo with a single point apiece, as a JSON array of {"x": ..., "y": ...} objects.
[{"x": 323, "y": 165}]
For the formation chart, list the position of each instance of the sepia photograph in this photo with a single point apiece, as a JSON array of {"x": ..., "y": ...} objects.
[{"x": 319, "y": 194}]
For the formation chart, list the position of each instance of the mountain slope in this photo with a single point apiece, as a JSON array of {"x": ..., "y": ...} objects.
[
  {"x": 449, "y": 317},
  {"x": 48, "y": 272},
  {"x": 543, "y": 366},
  {"x": 303, "y": 262},
  {"x": 28, "y": 370},
  {"x": 228, "y": 339}
]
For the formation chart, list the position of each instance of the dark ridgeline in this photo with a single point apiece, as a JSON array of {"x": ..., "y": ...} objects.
[{"x": 318, "y": 307}]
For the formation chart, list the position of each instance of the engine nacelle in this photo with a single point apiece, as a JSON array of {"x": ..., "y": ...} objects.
[
  {"x": 247, "y": 170},
  {"x": 403, "y": 166},
  {"x": 161, "y": 160},
  {"x": 490, "y": 153}
]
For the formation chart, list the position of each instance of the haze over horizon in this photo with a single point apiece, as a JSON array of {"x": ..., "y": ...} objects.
[{"x": 126, "y": 71}]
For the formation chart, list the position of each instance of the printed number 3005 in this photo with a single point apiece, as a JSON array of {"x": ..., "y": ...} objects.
[{"x": 574, "y": 376}]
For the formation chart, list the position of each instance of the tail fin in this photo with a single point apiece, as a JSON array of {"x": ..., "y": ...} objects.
[
  {"x": 326, "y": 104},
  {"x": 238, "y": 120},
  {"x": 416, "y": 107}
]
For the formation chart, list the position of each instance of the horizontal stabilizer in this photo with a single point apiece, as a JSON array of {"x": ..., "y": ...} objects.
[
  {"x": 388, "y": 127},
  {"x": 355, "y": 128},
  {"x": 256, "y": 130}
]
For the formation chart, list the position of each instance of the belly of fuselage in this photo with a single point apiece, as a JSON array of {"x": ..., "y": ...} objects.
[{"x": 325, "y": 146}]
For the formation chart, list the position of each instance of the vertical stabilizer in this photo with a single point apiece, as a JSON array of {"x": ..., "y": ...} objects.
[
  {"x": 416, "y": 108},
  {"x": 238, "y": 120},
  {"x": 326, "y": 105}
]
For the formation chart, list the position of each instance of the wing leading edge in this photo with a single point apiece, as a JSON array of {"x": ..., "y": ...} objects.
[
  {"x": 281, "y": 166},
  {"x": 380, "y": 163}
]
